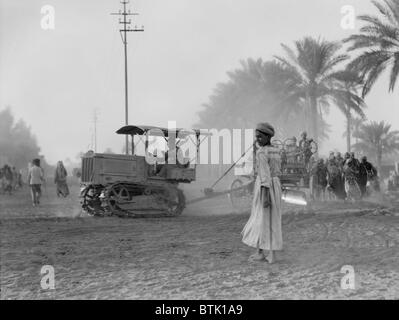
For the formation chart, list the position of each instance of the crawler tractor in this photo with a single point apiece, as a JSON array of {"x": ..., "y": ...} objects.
[{"x": 133, "y": 185}]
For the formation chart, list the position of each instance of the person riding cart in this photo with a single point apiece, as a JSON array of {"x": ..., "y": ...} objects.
[
  {"x": 305, "y": 145},
  {"x": 293, "y": 151}
]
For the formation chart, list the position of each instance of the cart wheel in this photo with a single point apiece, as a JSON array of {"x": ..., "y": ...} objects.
[{"x": 240, "y": 199}]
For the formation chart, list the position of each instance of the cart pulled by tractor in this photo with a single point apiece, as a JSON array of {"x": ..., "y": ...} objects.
[
  {"x": 295, "y": 174},
  {"x": 141, "y": 186}
]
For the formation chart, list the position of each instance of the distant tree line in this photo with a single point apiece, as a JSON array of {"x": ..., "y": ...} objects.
[{"x": 18, "y": 146}]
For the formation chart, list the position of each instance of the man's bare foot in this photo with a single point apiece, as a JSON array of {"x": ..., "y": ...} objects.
[
  {"x": 271, "y": 258},
  {"x": 257, "y": 257}
]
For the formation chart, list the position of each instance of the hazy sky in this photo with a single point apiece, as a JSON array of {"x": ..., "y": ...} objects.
[{"x": 54, "y": 79}]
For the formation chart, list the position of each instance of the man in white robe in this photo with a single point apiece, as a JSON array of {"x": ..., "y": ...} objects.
[{"x": 263, "y": 229}]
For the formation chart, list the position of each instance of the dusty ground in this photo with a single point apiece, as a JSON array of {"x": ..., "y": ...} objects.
[{"x": 196, "y": 256}]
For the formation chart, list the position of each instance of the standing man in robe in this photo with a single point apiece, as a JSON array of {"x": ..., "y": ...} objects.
[{"x": 263, "y": 230}]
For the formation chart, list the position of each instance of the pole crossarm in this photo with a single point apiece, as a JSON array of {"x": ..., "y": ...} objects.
[
  {"x": 123, "y": 14},
  {"x": 123, "y": 32}
]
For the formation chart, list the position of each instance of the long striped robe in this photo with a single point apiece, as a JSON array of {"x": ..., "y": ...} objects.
[{"x": 263, "y": 229}]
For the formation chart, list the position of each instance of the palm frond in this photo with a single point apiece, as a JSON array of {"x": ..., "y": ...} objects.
[
  {"x": 385, "y": 10},
  {"x": 393, "y": 7},
  {"x": 394, "y": 72},
  {"x": 372, "y": 77},
  {"x": 379, "y": 40}
]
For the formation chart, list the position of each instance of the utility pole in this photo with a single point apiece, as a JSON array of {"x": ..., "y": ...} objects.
[
  {"x": 123, "y": 32},
  {"x": 95, "y": 119}
]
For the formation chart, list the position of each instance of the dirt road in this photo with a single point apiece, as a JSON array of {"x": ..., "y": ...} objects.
[{"x": 195, "y": 256}]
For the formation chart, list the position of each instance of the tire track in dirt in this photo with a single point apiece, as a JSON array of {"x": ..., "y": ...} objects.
[
  {"x": 197, "y": 257},
  {"x": 322, "y": 265}
]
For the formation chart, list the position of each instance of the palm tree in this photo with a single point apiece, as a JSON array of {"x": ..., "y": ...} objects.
[
  {"x": 379, "y": 40},
  {"x": 348, "y": 105},
  {"x": 257, "y": 90},
  {"x": 348, "y": 132},
  {"x": 266, "y": 90},
  {"x": 376, "y": 140},
  {"x": 315, "y": 79},
  {"x": 354, "y": 127}
]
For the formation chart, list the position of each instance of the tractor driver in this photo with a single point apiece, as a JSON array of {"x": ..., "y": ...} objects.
[{"x": 163, "y": 168}]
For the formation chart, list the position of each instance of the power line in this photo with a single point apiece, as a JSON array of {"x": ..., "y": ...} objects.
[{"x": 123, "y": 32}]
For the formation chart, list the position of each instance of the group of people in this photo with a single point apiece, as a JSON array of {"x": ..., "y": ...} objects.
[
  {"x": 10, "y": 179},
  {"x": 344, "y": 178},
  {"x": 295, "y": 152},
  {"x": 36, "y": 179},
  {"x": 334, "y": 178}
]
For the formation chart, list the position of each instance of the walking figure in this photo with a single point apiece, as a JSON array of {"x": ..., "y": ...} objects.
[
  {"x": 335, "y": 186},
  {"x": 60, "y": 179},
  {"x": 351, "y": 175},
  {"x": 372, "y": 175},
  {"x": 319, "y": 180},
  {"x": 14, "y": 178},
  {"x": 35, "y": 180},
  {"x": 7, "y": 180}
]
